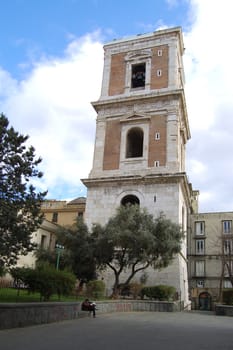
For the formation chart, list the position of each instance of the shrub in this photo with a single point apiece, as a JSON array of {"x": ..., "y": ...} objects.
[
  {"x": 135, "y": 289},
  {"x": 160, "y": 292},
  {"x": 65, "y": 283},
  {"x": 19, "y": 275},
  {"x": 131, "y": 290},
  {"x": 227, "y": 296},
  {"x": 46, "y": 280},
  {"x": 42, "y": 280},
  {"x": 96, "y": 289}
]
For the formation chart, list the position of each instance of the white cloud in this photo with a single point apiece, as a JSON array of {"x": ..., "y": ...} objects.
[
  {"x": 8, "y": 85},
  {"x": 52, "y": 105},
  {"x": 208, "y": 60}
]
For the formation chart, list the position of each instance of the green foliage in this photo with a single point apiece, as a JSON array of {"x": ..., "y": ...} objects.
[
  {"x": 227, "y": 296},
  {"x": 13, "y": 295},
  {"x": 160, "y": 292},
  {"x": 46, "y": 255},
  {"x": 134, "y": 240},
  {"x": 79, "y": 251},
  {"x": 96, "y": 289},
  {"x": 50, "y": 257},
  {"x": 46, "y": 280},
  {"x": 19, "y": 275},
  {"x": 65, "y": 283},
  {"x": 20, "y": 212}
]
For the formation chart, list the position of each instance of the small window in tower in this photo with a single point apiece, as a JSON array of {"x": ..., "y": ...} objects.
[
  {"x": 157, "y": 163},
  {"x": 138, "y": 75},
  {"x": 159, "y": 72},
  {"x": 160, "y": 52},
  {"x": 134, "y": 145},
  {"x": 157, "y": 136}
]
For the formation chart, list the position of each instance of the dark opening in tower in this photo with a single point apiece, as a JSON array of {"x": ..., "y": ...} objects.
[
  {"x": 138, "y": 75},
  {"x": 134, "y": 145},
  {"x": 130, "y": 199}
]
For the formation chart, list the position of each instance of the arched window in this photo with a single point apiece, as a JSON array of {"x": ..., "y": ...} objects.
[
  {"x": 130, "y": 199},
  {"x": 134, "y": 145}
]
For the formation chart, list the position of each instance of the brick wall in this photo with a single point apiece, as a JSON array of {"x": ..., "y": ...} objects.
[
  {"x": 117, "y": 77},
  {"x": 159, "y": 63},
  {"x": 112, "y": 145},
  {"x": 157, "y": 148}
]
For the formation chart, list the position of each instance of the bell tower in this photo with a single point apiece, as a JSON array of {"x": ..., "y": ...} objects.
[{"x": 141, "y": 133}]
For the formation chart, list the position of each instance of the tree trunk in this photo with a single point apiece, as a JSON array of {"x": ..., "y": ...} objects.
[{"x": 115, "y": 289}]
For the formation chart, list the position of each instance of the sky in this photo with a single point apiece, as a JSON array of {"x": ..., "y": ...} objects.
[{"x": 51, "y": 62}]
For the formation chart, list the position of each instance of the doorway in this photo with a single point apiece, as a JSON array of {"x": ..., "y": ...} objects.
[{"x": 204, "y": 301}]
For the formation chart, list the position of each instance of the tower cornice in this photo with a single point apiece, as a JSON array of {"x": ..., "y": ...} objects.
[
  {"x": 157, "y": 95},
  {"x": 148, "y": 36}
]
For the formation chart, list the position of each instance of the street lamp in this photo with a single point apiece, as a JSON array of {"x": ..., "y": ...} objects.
[{"x": 59, "y": 249}]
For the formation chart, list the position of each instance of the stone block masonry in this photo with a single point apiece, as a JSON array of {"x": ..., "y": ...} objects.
[{"x": 29, "y": 314}]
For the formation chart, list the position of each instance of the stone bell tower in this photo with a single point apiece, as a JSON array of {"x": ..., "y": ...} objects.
[{"x": 141, "y": 133}]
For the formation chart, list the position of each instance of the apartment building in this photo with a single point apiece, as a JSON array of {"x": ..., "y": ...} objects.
[{"x": 210, "y": 257}]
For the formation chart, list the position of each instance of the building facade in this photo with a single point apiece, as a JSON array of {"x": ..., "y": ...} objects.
[
  {"x": 141, "y": 135},
  {"x": 45, "y": 238},
  {"x": 63, "y": 213},
  {"x": 210, "y": 256}
]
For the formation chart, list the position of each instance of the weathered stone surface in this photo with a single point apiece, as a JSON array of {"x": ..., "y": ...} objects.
[{"x": 28, "y": 314}]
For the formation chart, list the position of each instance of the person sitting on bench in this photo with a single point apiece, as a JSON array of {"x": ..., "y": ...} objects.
[{"x": 87, "y": 305}]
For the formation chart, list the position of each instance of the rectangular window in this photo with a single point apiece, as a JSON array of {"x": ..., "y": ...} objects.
[
  {"x": 226, "y": 226},
  {"x": 159, "y": 72},
  {"x": 227, "y": 284},
  {"x": 138, "y": 75},
  {"x": 157, "y": 163},
  {"x": 228, "y": 268},
  {"x": 55, "y": 217},
  {"x": 160, "y": 52},
  {"x": 200, "y": 246},
  {"x": 227, "y": 246},
  {"x": 43, "y": 241},
  {"x": 200, "y": 268},
  {"x": 200, "y": 284},
  {"x": 200, "y": 227},
  {"x": 157, "y": 136}
]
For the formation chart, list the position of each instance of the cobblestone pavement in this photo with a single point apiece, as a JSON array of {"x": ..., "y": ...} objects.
[{"x": 127, "y": 331}]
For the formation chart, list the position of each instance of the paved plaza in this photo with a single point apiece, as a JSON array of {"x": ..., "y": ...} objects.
[{"x": 127, "y": 331}]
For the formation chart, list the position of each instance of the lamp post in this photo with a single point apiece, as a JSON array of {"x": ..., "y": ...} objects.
[{"x": 59, "y": 249}]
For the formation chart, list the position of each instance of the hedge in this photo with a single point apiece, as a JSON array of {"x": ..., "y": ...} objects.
[{"x": 160, "y": 292}]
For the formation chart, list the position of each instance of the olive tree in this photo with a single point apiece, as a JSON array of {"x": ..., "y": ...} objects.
[{"x": 133, "y": 240}]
